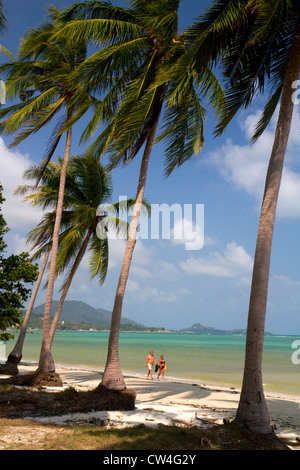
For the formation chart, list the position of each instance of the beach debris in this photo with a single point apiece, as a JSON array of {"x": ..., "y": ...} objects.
[
  {"x": 99, "y": 422},
  {"x": 205, "y": 442}
]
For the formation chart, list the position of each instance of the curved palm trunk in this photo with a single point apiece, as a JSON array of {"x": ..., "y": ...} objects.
[
  {"x": 46, "y": 363},
  {"x": 77, "y": 262},
  {"x": 14, "y": 358},
  {"x": 252, "y": 410},
  {"x": 113, "y": 378}
]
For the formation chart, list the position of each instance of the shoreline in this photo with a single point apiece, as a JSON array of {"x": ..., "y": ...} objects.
[
  {"x": 198, "y": 381},
  {"x": 172, "y": 401},
  {"x": 200, "y": 357}
]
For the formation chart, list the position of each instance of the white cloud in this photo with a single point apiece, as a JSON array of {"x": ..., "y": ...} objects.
[
  {"x": 245, "y": 166},
  {"x": 76, "y": 290},
  {"x": 282, "y": 277},
  {"x": 18, "y": 214},
  {"x": 235, "y": 262},
  {"x": 188, "y": 233},
  {"x": 159, "y": 270},
  {"x": 116, "y": 253},
  {"x": 142, "y": 258},
  {"x": 289, "y": 197},
  {"x": 143, "y": 254},
  {"x": 132, "y": 286},
  {"x": 166, "y": 271},
  {"x": 18, "y": 244},
  {"x": 141, "y": 272},
  {"x": 142, "y": 294},
  {"x": 208, "y": 240}
]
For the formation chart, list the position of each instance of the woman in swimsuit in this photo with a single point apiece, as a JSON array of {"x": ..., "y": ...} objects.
[{"x": 161, "y": 365}]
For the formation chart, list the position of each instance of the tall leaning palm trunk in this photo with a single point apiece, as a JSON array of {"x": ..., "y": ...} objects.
[
  {"x": 113, "y": 377},
  {"x": 14, "y": 358},
  {"x": 67, "y": 285},
  {"x": 252, "y": 410},
  {"x": 46, "y": 363}
]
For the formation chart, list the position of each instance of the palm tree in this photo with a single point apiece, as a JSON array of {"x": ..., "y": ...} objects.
[
  {"x": 87, "y": 217},
  {"x": 259, "y": 43},
  {"x": 140, "y": 93},
  {"x": 46, "y": 79}
]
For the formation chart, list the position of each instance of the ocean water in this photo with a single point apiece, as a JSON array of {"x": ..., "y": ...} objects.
[{"x": 217, "y": 359}]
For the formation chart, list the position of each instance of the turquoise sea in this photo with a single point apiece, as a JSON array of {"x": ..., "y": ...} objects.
[{"x": 215, "y": 359}]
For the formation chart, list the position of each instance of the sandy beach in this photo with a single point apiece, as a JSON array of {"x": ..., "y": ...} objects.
[{"x": 173, "y": 401}]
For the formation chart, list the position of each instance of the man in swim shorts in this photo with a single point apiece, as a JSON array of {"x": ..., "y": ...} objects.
[{"x": 150, "y": 359}]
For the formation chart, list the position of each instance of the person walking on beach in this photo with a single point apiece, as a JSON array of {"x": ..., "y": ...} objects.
[
  {"x": 150, "y": 359},
  {"x": 162, "y": 367}
]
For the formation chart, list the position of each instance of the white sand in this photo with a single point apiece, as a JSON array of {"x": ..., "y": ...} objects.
[{"x": 175, "y": 401}]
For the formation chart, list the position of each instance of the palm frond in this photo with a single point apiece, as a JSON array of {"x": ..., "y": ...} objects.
[
  {"x": 90, "y": 10},
  {"x": 69, "y": 246},
  {"x": 133, "y": 122},
  {"x": 37, "y": 121},
  {"x": 97, "y": 31},
  {"x": 98, "y": 258},
  {"x": 103, "y": 112},
  {"x": 25, "y": 113},
  {"x": 267, "y": 114},
  {"x": 4, "y": 50},
  {"x": 114, "y": 60},
  {"x": 183, "y": 131}
]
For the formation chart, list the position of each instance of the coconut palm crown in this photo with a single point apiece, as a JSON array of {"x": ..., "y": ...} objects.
[{"x": 87, "y": 218}]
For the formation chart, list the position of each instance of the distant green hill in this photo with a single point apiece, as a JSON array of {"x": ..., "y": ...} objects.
[
  {"x": 201, "y": 329},
  {"x": 77, "y": 315},
  {"x": 76, "y": 311}
]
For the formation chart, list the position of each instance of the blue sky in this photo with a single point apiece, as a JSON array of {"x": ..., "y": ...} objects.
[{"x": 169, "y": 285}]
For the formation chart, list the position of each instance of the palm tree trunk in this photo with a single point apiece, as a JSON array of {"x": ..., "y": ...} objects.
[
  {"x": 77, "y": 262},
  {"x": 252, "y": 410},
  {"x": 46, "y": 363},
  {"x": 113, "y": 378},
  {"x": 15, "y": 356}
]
